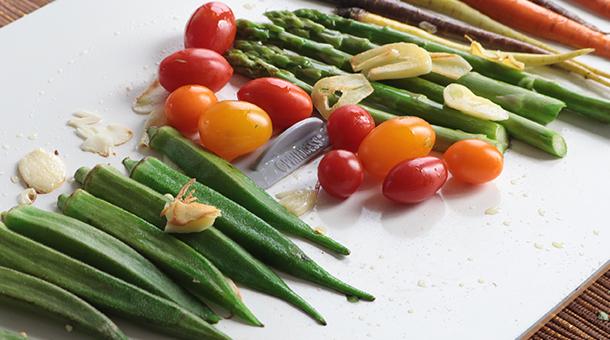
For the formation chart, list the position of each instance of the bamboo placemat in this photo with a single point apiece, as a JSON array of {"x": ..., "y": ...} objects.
[
  {"x": 11, "y": 10},
  {"x": 579, "y": 317}
]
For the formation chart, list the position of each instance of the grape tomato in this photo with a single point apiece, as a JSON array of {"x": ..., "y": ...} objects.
[
  {"x": 474, "y": 161},
  {"x": 340, "y": 173},
  {"x": 186, "y": 104},
  {"x": 283, "y": 101},
  {"x": 232, "y": 128},
  {"x": 415, "y": 180},
  {"x": 348, "y": 125},
  {"x": 393, "y": 141},
  {"x": 194, "y": 66},
  {"x": 212, "y": 26}
]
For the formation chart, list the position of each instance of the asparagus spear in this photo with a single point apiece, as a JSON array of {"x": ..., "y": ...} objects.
[
  {"x": 577, "y": 101},
  {"x": 537, "y": 107},
  {"x": 400, "y": 101},
  {"x": 253, "y": 67},
  {"x": 528, "y": 131}
]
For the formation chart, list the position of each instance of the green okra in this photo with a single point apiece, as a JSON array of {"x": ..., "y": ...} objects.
[
  {"x": 103, "y": 291},
  {"x": 105, "y": 182},
  {"x": 254, "y": 234},
  {"x": 223, "y": 177},
  {"x": 102, "y": 251},
  {"x": 43, "y": 298},
  {"x": 174, "y": 257}
]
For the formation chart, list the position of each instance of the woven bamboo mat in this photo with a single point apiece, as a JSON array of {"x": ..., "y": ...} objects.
[
  {"x": 11, "y": 10},
  {"x": 579, "y": 317}
]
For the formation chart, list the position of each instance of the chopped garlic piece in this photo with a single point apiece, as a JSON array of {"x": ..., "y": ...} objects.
[
  {"x": 84, "y": 117},
  {"x": 450, "y": 65},
  {"x": 27, "y": 196},
  {"x": 100, "y": 143},
  {"x": 120, "y": 134},
  {"x": 186, "y": 215},
  {"x": 155, "y": 118},
  {"x": 298, "y": 202},
  {"x": 461, "y": 98},
  {"x": 393, "y": 61},
  {"x": 154, "y": 96},
  {"x": 42, "y": 171},
  {"x": 353, "y": 88}
]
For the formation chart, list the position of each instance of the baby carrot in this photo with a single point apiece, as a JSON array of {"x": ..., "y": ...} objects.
[
  {"x": 553, "y": 6},
  {"x": 543, "y": 23},
  {"x": 600, "y": 7}
]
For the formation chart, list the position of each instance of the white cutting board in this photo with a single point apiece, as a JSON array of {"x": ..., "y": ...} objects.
[{"x": 440, "y": 269}]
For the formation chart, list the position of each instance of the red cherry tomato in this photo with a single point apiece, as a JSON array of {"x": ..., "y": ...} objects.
[
  {"x": 212, "y": 26},
  {"x": 194, "y": 66},
  {"x": 285, "y": 102},
  {"x": 348, "y": 125},
  {"x": 185, "y": 105},
  {"x": 414, "y": 180},
  {"x": 393, "y": 141},
  {"x": 231, "y": 128},
  {"x": 474, "y": 161},
  {"x": 340, "y": 173}
]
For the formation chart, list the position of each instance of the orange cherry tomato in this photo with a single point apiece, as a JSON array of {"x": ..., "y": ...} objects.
[
  {"x": 474, "y": 161},
  {"x": 393, "y": 141},
  {"x": 232, "y": 128},
  {"x": 186, "y": 104}
]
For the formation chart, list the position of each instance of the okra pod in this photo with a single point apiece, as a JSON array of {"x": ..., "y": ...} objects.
[
  {"x": 251, "y": 232},
  {"x": 105, "y": 182},
  {"x": 102, "y": 251},
  {"x": 103, "y": 291},
  {"x": 41, "y": 297},
  {"x": 223, "y": 177},
  {"x": 171, "y": 255}
]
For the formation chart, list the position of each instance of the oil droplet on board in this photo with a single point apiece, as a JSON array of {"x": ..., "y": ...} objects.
[
  {"x": 538, "y": 246},
  {"x": 542, "y": 212},
  {"x": 410, "y": 311},
  {"x": 14, "y": 179},
  {"x": 421, "y": 283},
  {"x": 249, "y": 6},
  {"x": 557, "y": 244},
  {"x": 596, "y": 232},
  {"x": 481, "y": 281}
]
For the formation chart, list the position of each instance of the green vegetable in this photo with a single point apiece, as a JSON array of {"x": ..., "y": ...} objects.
[
  {"x": 254, "y": 67},
  {"x": 102, "y": 251},
  {"x": 252, "y": 233},
  {"x": 601, "y": 315},
  {"x": 401, "y": 102},
  {"x": 41, "y": 297},
  {"x": 171, "y": 255},
  {"x": 596, "y": 108},
  {"x": 223, "y": 177},
  {"x": 230, "y": 258},
  {"x": 101, "y": 290}
]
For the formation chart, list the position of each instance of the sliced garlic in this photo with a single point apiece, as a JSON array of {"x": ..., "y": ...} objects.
[
  {"x": 154, "y": 96},
  {"x": 393, "y": 61},
  {"x": 27, "y": 196},
  {"x": 120, "y": 134},
  {"x": 461, "y": 98},
  {"x": 42, "y": 171},
  {"x": 298, "y": 202},
  {"x": 353, "y": 88},
  {"x": 155, "y": 118},
  {"x": 84, "y": 117},
  {"x": 184, "y": 215},
  {"x": 100, "y": 143},
  {"x": 504, "y": 58},
  {"x": 449, "y": 64}
]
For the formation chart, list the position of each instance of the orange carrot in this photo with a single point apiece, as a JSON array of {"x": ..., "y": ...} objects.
[
  {"x": 543, "y": 23},
  {"x": 599, "y": 7}
]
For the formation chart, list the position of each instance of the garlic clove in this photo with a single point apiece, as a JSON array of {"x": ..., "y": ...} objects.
[{"x": 42, "y": 171}]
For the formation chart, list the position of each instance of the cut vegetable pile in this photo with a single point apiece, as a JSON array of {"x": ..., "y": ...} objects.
[{"x": 157, "y": 245}]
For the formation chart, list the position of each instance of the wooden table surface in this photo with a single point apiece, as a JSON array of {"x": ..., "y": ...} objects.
[{"x": 11, "y": 10}]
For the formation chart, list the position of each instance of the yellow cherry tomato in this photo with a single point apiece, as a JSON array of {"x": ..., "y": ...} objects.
[
  {"x": 393, "y": 141},
  {"x": 232, "y": 128}
]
